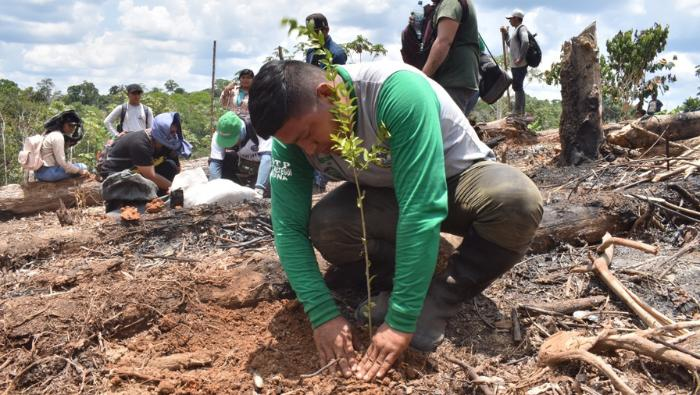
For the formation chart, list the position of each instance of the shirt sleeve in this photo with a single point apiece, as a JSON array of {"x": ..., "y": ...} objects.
[
  {"x": 340, "y": 57},
  {"x": 109, "y": 121},
  {"x": 291, "y": 180},
  {"x": 451, "y": 10},
  {"x": 58, "y": 145},
  {"x": 410, "y": 109},
  {"x": 141, "y": 152}
]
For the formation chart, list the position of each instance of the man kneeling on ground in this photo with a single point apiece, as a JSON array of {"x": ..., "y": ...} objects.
[
  {"x": 437, "y": 177},
  {"x": 152, "y": 153}
]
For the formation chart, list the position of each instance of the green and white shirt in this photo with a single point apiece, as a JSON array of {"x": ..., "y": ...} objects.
[{"x": 431, "y": 140}]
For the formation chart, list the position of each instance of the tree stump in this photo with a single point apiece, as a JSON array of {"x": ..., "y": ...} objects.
[{"x": 581, "y": 126}]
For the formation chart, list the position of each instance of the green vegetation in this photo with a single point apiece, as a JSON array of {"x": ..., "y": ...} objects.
[
  {"x": 23, "y": 112},
  {"x": 631, "y": 72}
]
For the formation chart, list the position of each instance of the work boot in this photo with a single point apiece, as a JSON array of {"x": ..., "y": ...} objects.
[
  {"x": 519, "y": 103},
  {"x": 475, "y": 265}
]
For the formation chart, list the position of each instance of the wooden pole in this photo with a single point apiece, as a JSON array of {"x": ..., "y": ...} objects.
[
  {"x": 213, "y": 87},
  {"x": 505, "y": 67},
  {"x": 4, "y": 147},
  {"x": 279, "y": 52}
]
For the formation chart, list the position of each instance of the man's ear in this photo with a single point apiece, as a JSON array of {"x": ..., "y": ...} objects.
[{"x": 324, "y": 90}]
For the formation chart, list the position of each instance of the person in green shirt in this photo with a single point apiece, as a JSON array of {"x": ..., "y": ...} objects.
[
  {"x": 437, "y": 176},
  {"x": 453, "y": 60}
]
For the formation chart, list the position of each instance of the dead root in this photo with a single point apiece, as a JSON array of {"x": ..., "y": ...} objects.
[{"x": 574, "y": 346}]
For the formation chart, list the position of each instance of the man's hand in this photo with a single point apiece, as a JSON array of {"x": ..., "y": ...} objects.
[
  {"x": 518, "y": 60},
  {"x": 387, "y": 345},
  {"x": 334, "y": 341},
  {"x": 504, "y": 29}
]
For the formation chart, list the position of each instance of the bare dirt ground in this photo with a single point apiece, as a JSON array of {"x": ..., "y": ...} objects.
[{"x": 195, "y": 302}]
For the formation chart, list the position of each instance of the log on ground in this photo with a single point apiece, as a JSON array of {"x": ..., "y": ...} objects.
[
  {"x": 35, "y": 197},
  {"x": 565, "y": 223},
  {"x": 642, "y": 134}
]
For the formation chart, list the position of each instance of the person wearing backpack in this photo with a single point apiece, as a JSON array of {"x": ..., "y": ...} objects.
[
  {"x": 152, "y": 153},
  {"x": 453, "y": 57},
  {"x": 132, "y": 116},
  {"x": 53, "y": 155},
  {"x": 519, "y": 45}
]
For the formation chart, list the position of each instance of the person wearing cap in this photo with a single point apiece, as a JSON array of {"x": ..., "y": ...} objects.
[
  {"x": 453, "y": 60},
  {"x": 234, "y": 147},
  {"x": 55, "y": 166},
  {"x": 132, "y": 116},
  {"x": 518, "y": 44},
  {"x": 321, "y": 24},
  {"x": 234, "y": 97},
  {"x": 435, "y": 175},
  {"x": 152, "y": 153}
]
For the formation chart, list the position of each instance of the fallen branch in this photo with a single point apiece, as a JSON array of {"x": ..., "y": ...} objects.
[
  {"x": 601, "y": 267},
  {"x": 472, "y": 374},
  {"x": 184, "y": 361},
  {"x": 687, "y": 213},
  {"x": 570, "y": 346},
  {"x": 686, "y": 249},
  {"x": 316, "y": 373},
  {"x": 565, "y": 306},
  {"x": 649, "y": 249},
  {"x": 685, "y": 194}
]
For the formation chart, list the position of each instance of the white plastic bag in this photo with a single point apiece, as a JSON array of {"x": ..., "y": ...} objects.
[
  {"x": 188, "y": 179},
  {"x": 221, "y": 191}
]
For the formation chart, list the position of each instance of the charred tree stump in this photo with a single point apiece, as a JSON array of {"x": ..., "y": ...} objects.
[{"x": 581, "y": 126}]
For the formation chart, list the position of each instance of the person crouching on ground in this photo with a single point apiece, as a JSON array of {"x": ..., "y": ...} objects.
[
  {"x": 154, "y": 154},
  {"x": 53, "y": 154},
  {"x": 437, "y": 177}
]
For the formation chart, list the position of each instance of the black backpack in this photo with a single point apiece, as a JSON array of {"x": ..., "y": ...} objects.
[
  {"x": 533, "y": 57},
  {"x": 414, "y": 51}
]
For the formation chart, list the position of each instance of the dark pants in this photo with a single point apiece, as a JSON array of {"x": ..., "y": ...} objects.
[
  {"x": 489, "y": 201},
  {"x": 466, "y": 99},
  {"x": 519, "y": 74}
]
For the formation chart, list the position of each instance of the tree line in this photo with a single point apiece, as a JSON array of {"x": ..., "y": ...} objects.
[{"x": 23, "y": 112}]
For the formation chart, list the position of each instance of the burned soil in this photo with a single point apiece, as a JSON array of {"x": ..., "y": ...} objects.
[{"x": 194, "y": 301}]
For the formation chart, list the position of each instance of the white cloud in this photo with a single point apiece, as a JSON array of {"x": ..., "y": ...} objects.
[{"x": 149, "y": 41}]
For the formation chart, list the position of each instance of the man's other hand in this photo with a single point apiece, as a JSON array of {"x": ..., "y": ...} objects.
[
  {"x": 387, "y": 346},
  {"x": 334, "y": 342}
]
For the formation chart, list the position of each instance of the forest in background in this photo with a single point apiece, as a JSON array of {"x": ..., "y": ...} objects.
[{"x": 633, "y": 70}]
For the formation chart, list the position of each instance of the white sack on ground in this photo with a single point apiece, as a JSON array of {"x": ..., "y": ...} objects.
[{"x": 221, "y": 191}]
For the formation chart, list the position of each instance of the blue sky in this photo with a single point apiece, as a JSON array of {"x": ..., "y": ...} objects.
[{"x": 112, "y": 42}]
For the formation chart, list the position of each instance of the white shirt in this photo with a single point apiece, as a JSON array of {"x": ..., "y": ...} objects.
[
  {"x": 53, "y": 152},
  {"x": 249, "y": 151},
  {"x": 135, "y": 119}
]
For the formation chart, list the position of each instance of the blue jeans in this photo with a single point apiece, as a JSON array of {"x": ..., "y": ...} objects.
[
  {"x": 263, "y": 180},
  {"x": 320, "y": 180},
  {"x": 56, "y": 173},
  {"x": 215, "y": 168}
]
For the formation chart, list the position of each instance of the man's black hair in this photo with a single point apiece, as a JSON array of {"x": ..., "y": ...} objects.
[
  {"x": 282, "y": 90},
  {"x": 246, "y": 72},
  {"x": 320, "y": 21}
]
